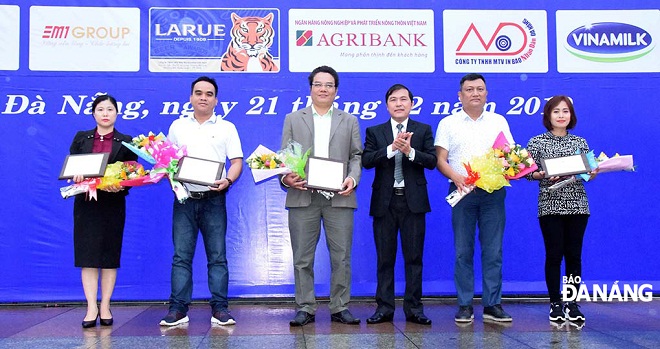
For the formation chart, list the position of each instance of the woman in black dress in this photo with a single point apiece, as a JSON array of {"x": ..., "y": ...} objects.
[{"x": 98, "y": 225}]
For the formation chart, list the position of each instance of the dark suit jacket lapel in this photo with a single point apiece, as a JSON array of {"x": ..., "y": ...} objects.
[
  {"x": 387, "y": 132},
  {"x": 88, "y": 142},
  {"x": 116, "y": 144},
  {"x": 412, "y": 126}
]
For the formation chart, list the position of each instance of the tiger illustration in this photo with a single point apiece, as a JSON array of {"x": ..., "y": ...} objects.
[{"x": 251, "y": 37}]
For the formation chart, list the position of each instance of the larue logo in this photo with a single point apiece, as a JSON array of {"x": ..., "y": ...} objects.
[
  {"x": 304, "y": 38},
  {"x": 609, "y": 42}
]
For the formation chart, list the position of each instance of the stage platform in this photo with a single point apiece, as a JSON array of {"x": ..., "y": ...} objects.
[{"x": 265, "y": 324}]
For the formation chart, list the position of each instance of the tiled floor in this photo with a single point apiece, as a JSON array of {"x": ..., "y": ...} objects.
[{"x": 266, "y": 325}]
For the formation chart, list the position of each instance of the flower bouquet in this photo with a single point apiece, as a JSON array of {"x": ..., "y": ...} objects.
[
  {"x": 604, "y": 163},
  {"x": 294, "y": 157},
  {"x": 493, "y": 170},
  {"x": 615, "y": 163},
  {"x": 126, "y": 174},
  {"x": 143, "y": 145},
  {"x": 515, "y": 159},
  {"x": 166, "y": 156},
  {"x": 265, "y": 163}
]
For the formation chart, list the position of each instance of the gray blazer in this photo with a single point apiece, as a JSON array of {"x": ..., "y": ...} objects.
[{"x": 345, "y": 145}]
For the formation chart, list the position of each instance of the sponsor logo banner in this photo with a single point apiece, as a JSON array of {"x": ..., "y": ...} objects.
[
  {"x": 9, "y": 36},
  {"x": 495, "y": 41},
  {"x": 214, "y": 40},
  {"x": 84, "y": 38},
  {"x": 621, "y": 41},
  {"x": 354, "y": 40}
]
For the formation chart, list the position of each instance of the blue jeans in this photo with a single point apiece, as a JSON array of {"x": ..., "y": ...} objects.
[
  {"x": 210, "y": 217},
  {"x": 487, "y": 211}
]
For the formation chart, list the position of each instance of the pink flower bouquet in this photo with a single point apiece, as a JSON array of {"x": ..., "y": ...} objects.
[
  {"x": 615, "y": 163},
  {"x": 516, "y": 160},
  {"x": 166, "y": 161}
]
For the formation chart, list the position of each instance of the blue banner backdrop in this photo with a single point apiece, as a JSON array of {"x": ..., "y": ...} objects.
[{"x": 48, "y": 82}]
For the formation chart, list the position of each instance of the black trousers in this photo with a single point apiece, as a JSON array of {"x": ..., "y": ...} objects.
[
  {"x": 562, "y": 236},
  {"x": 412, "y": 227}
]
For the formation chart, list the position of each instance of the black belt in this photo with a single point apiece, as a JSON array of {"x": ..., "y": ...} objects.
[
  {"x": 199, "y": 195},
  {"x": 399, "y": 191}
]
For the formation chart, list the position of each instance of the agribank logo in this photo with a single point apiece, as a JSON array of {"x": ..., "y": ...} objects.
[
  {"x": 609, "y": 42},
  {"x": 362, "y": 40},
  {"x": 304, "y": 37}
]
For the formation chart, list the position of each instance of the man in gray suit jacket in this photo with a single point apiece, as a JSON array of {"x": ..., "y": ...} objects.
[{"x": 333, "y": 134}]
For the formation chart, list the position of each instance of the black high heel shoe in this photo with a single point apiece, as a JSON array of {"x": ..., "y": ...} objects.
[
  {"x": 90, "y": 323},
  {"x": 106, "y": 322}
]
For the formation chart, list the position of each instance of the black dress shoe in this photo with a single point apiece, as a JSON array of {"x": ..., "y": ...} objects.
[
  {"x": 345, "y": 317},
  {"x": 106, "y": 322},
  {"x": 90, "y": 323},
  {"x": 419, "y": 319},
  {"x": 302, "y": 318},
  {"x": 379, "y": 317}
]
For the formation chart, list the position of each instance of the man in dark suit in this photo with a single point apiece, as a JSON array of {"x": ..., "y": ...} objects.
[
  {"x": 399, "y": 201},
  {"x": 333, "y": 134}
]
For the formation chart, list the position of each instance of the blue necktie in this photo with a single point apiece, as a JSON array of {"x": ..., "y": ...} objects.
[{"x": 398, "y": 172}]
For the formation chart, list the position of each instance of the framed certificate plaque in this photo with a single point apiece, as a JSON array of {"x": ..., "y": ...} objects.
[
  {"x": 325, "y": 174},
  {"x": 88, "y": 165},
  {"x": 199, "y": 171},
  {"x": 566, "y": 165}
]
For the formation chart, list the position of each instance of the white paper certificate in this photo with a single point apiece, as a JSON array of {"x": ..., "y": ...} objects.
[
  {"x": 199, "y": 171},
  {"x": 325, "y": 174},
  {"x": 564, "y": 166},
  {"x": 88, "y": 165}
]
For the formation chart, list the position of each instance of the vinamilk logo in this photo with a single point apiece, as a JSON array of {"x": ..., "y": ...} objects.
[
  {"x": 304, "y": 37},
  {"x": 609, "y": 42}
]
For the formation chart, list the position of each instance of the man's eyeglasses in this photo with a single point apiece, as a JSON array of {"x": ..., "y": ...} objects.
[{"x": 328, "y": 86}]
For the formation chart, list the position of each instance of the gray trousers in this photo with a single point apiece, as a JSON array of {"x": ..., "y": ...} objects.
[{"x": 305, "y": 230}]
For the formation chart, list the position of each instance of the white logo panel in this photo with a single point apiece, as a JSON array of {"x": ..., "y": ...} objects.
[
  {"x": 84, "y": 38},
  {"x": 495, "y": 41},
  {"x": 353, "y": 40}
]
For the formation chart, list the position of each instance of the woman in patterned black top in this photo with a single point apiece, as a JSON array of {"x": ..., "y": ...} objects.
[{"x": 562, "y": 212}]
